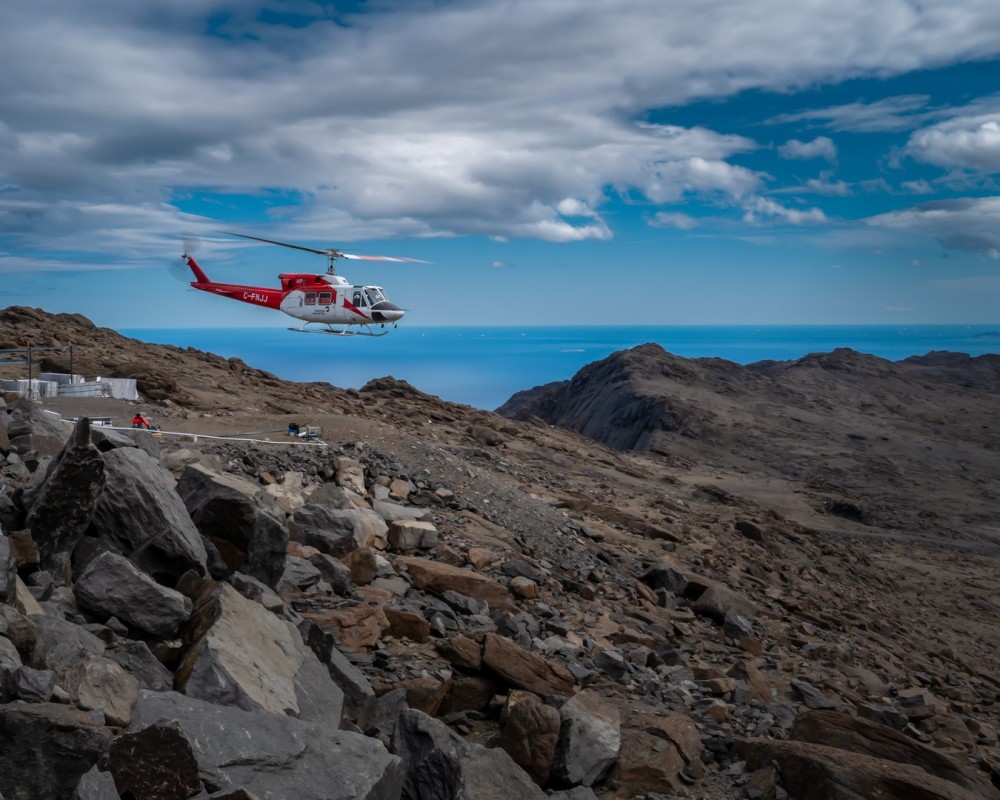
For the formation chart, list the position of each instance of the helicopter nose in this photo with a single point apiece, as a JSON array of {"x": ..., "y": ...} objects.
[{"x": 386, "y": 312}]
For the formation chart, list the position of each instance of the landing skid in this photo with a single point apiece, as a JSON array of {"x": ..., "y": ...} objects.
[{"x": 337, "y": 332}]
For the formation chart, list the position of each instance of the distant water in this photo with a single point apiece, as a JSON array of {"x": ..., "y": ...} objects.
[{"x": 482, "y": 367}]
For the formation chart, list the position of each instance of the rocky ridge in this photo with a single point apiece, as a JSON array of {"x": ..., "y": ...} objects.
[{"x": 444, "y": 603}]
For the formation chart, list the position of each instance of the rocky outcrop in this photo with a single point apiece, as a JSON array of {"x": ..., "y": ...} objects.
[
  {"x": 62, "y": 508},
  {"x": 273, "y": 755},
  {"x": 111, "y": 586},
  {"x": 141, "y": 516},
  {"x": 240, "y": 519}
]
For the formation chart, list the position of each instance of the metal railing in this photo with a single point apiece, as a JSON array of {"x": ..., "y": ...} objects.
[{"x": 8, "y": 356}]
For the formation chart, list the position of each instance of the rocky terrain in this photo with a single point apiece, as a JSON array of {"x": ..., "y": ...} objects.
[{"x": 667, "y": 578}]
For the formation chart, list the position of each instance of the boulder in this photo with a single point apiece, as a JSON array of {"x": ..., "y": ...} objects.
[
  {"x": 391, "y": 512},
  {"x": 111, "y": 585},
  {"x": 646, "y": 764},
  {"x": 525, "y": 670},
  {"x": 359, "y": 696},
  {"x": 440, "y": 765},
  {"x": 273, "y": 755},
  {"x": 245, "y": 656},
  {"x": 47, "y": 431},
  {"x": 138, "y": 660},
  {"x": 865, "y": 737},
  {"x": 719, "y": 600},
  {"x": 154, "y": 763},
  {"x": 62, "y": 508},
  {"x": 408, "y": 535},
  {"x": 589, "y": 741},
  {"x": 439, "y": 578},
  {"x": 357, "y": 628},
  {"x": 529, "y": 734},
  {"x": 45, "y": 748},
  {"x": 141, "y": 516},
  {"x": 92, "y": 682},
  {"x": 96, "y": 683},
  {"x": 239, "y": 518},
  {"x": 96, "y": 785},
  {"x": 335, "y": 532},
  {"x": 814, "y": 770},
  {"x": 407, "y": 624}
]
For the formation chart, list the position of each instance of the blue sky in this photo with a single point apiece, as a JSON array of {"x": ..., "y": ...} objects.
[{"x": 557, "y": 161}]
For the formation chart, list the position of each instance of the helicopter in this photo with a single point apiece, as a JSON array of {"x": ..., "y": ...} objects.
[{"x": 325, "y": 300}]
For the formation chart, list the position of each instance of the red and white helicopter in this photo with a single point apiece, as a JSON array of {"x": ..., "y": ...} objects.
[{"x": 326, "y": 300}]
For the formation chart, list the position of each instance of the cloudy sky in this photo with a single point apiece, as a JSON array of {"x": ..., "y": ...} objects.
[{"x": 557, "y": 161}]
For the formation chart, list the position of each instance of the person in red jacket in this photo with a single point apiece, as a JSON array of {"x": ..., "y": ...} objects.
[{"x": 139, "y": 421}]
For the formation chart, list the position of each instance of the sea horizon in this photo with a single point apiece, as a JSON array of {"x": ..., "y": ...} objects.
[{"x": 483, "y": 366}]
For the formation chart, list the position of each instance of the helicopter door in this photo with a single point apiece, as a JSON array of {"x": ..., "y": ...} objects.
[{"x": 359, "y": 298}]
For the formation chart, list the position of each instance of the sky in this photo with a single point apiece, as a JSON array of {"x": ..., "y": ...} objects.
[{"x": 604, "y": 162}]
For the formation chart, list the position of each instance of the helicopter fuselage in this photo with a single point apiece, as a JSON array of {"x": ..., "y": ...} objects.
[{"x": 324, "y": 299}]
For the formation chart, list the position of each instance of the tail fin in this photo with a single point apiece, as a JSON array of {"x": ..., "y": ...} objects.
[{"x": 199, "y": 274}]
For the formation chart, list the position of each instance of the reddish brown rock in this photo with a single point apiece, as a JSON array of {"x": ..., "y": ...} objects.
[
  {"x": 462, "y": 652},
  {"x": 470, "y": 693},
  {"x": 356, "y": 627},
  {"x": 361, "y": 563},
  {"x": 425, "y": 693},
  {"x": 816, "y": 771},
  {"x": 524, "y": 669},
  {"x": 530, "y": 734},
  {"x": 438, "y": 578},
  {"x": 646, "y": 763},
  {"x": 407, "y": 624}
]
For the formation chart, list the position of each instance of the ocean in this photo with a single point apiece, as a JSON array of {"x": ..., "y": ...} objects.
[{"x": 483, "y": 367}]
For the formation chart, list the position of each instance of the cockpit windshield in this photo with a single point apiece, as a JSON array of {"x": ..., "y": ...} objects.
[{"x": 375, "y": 294}]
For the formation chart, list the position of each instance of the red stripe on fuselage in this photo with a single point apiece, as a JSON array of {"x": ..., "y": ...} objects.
[
  {"x": 255, "y": 295},
  {"x": 351, "y": 307}
]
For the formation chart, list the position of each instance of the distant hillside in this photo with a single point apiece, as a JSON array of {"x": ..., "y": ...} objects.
[{"x": 842, "y": 422}]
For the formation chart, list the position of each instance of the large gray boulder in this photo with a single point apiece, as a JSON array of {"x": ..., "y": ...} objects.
[
  {"x": 141, "y": 516},
  {"x": 335, "y": 531},
  {"x": 589, "y": 739},
  {"x": 93, "y": 682},
  {"x": 275, "y": 756},
  {"x": 96, "y": 785},
  {"x": 239, "y": 518},
  {"x": 46, "y": 432},
  {"x": 112, "y": 586},
  {"x": 249, "y": 658},
  {"x": 138, "y": 661},
  {"x": 440, "y": 765},
  {"x": 62, "y": 508},
  {"x": 359, "y": 695},
  {"x": 45, "y": 748}
]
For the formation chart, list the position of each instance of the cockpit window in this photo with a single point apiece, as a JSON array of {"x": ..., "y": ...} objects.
[
  {"x": 359, "y": 298},
  {"x": 375, "y": 294}
]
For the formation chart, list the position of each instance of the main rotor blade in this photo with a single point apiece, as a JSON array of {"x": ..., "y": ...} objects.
[
  {"x": 328, "y": 252},
  {"x": 355, "y": 257}
]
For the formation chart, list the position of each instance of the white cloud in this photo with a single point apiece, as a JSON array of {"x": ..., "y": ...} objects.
[
  {"x": 762, "y": 209},
  {"x": 820, "y": 147},
  {"x": 821, "y": 185},
  {"x": 963, "y": 142},
  {"x": 888, "y": 114},
  {"x": 898, "y": 309},
  {"x": 917, "y": 187},
  {"x": 670, "y": 219},
  {"x": 971, "y": 224}
]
